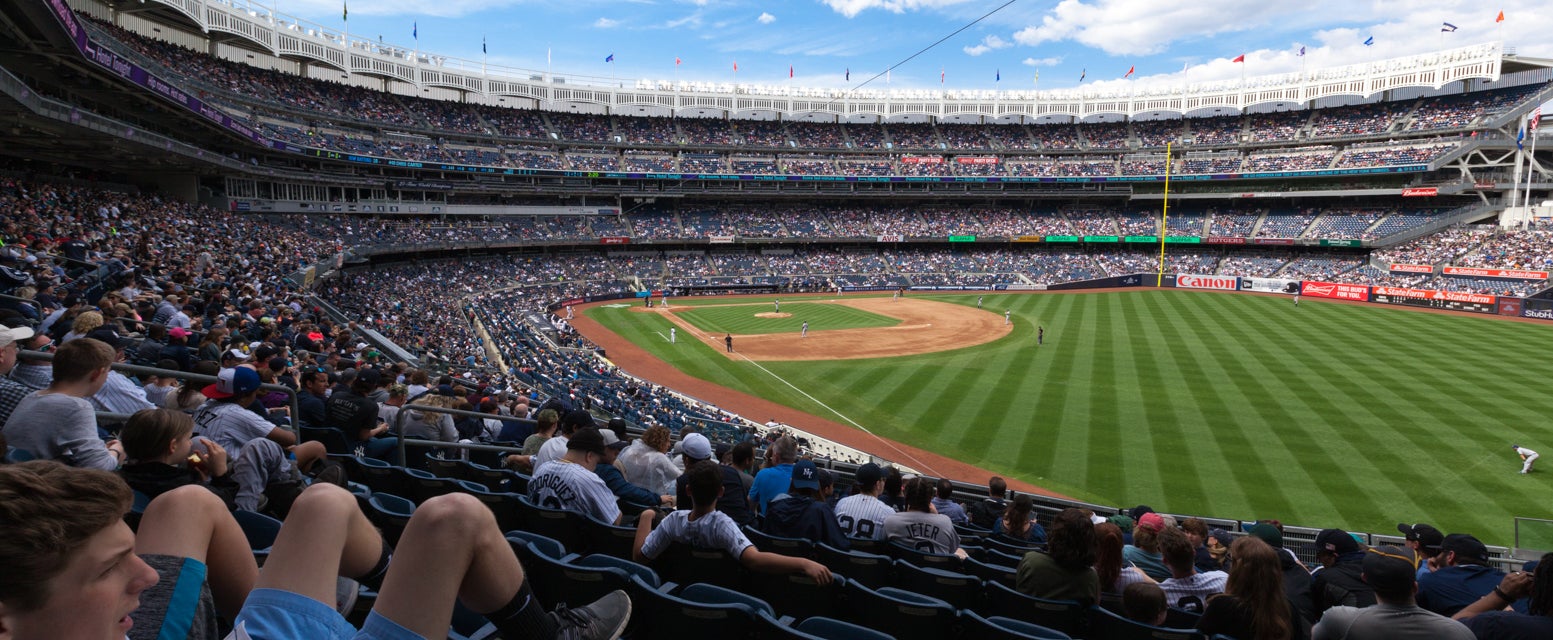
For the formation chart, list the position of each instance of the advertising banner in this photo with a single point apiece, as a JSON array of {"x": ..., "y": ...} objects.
[
  {"x": 1224, "y": 240},
  {"x": 1062, "y": 238},
  {"x": 1134, "y": 280},
  {"x": 977, "y": 159},
  {"x": 1222, "y": 283},
  {"x": 1411, "y": 268},
  {"x": 720, "y": 239},
  {"x": 1510, "y": 306},
  {"x": 1474, "y": 302},
  {"x": 1541, "y": 314},
  {"x": 1102, "y": 239},
  {"x": 892, "y": 237},
  {"x": 1029, "y": 239},
  {"x": 1420, "y": 192},
  {"x": 1148, "y": 239},
  {"x": 923, "y": 160},
  {"x": 1508, "y": 274},
  {"x": 1269, "y": 285},
  {"x": 615, "y": 240},
  {"x": 1277, "y": 241},
  {"x": 1183, "y": 240},
  {"x": 1335, "y": 291},
  {"x": 962, "y": 238},
  {"x": 1340, "y": 243}
]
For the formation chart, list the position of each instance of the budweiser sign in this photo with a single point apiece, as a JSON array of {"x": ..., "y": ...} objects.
[
  {"x": 614, "y": 240},
  {"x": 1431, "y": 294},
  {"x": 1515, "y": 274},
  {"x": 1411, "y": 268},
  {"x": 1420, "y": 192},
  {"x": 1335, "y": 290},
  {"x": 1223, "y": 283},
  {"x": 977, "y": 160}
]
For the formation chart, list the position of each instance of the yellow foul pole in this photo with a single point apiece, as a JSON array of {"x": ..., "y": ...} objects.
[{"x": 1164, "y": 220}]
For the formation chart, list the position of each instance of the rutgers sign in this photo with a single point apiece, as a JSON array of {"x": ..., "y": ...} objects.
[
  {"x": 1223, "y": 283},
  {"x": 1334, "y": 290}
]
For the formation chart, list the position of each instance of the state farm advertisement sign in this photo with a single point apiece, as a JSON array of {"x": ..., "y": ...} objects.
[
  {"x": 1513, "y": 274},
  {"x": 977, "y": 160},
  {"x": 1420, "y": 192},
  {"x": 923, "y": 160},
  {"x": 1222, "y": 283},
  {"x": 1335, "y": 291},
  {"x": 1411, "y": 268},
  {"x": 1454, "y": 300}
]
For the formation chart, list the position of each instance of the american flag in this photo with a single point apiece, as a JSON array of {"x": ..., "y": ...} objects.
[{"x": 1535, "y": 116}]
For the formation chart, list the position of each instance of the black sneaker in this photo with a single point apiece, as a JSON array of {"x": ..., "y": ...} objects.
[{"x": 605, "y": 619}]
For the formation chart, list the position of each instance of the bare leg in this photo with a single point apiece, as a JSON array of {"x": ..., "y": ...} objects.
[
  {"x": 309, "y": 452},
  {"x": 191, "y": 522},
  {"x": 325, "y": 536},
  {"x": 452, "y": 546}
]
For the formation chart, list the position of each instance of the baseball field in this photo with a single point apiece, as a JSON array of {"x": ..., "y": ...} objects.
[{"x": 1235, "y": 406}]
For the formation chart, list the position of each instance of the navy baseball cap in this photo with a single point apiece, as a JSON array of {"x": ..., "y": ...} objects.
[{"x": 805, "y": 475}]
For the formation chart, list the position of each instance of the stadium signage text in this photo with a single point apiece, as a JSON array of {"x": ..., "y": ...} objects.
[
  {"x": 615, "y": 240},
  {"x": 1278, "y": 241},
  {"x": 1510, "y": 306},
  {"x": 893, "y": 237},
  {"x": 962, "y": 238},
  {"x": 977, "y": 160},
  {"x": 1335, "y": 290},
  {"x": 1411, "y": 268},
  {"x": 1267, "y": 285},
  {"x": 1420, "y": 192},
  {"x": 1223, "y": 283},
  {"x": 720, "y": 239},
  {"x": 1544, "y": 314},
  {"x": 1475, "y": 302},
  {"x": 1514, "y": 274},
  {"x": 1224, "y": 240},
  {"x": 922, "y": 160}
]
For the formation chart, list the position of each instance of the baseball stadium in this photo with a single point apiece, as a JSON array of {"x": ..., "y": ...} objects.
[{"x": 1201, "y": 321}]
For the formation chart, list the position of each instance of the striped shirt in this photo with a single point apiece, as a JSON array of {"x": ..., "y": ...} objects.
[
  {"x": 121, "y": 395},
  {"x": 1191, "y": 592},
  {"x": 862, "y": 516}
]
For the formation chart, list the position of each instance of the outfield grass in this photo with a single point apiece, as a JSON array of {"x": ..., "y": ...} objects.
[
  {"x": 1226, "y": 405},
  {"x": 741, "y": 319}
]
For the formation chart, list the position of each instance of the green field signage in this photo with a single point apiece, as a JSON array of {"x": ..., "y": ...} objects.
[
  {"x": 1102, "y": 239},
  {"x": 962, "y": 238},
  {"x": 1062, "y": 238},
  {"x": 1340, "y": 243},
  {"x": 1183, "y": 240},
  {"x": 1142, "y": 238}
]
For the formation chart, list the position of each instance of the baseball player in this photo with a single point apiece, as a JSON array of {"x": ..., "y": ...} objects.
[
  {"x": 805, "y": 332},
  {"x": 1296, "y": 298},
  {"x": 776, "y": 306},
  {"x": 671, "y": 335},
  {"x": 895, "y": 296},
  {"x": 665, "y": 299},
  {"x": 1005, "y": 316},
  {"x": 1040, "y": 336},
  {"x": 1529, "y": 456},
  {"x": 978, "y": 302},
  {"x": 728, "y": 340},
  {"x": 568, "y": 312}
]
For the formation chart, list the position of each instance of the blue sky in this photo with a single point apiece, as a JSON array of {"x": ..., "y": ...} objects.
[{"x": 822, "y": 39}]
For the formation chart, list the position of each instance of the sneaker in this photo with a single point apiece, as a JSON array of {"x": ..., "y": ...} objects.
[
  {"x": 605, "y": 619},
  {"x": 345, "y": 592}
]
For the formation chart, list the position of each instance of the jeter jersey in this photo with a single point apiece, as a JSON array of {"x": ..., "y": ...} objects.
[
  {"x": 566, "y": 485},
  {"x": 862, "y": 516},
  {"x": 926, "y": 532},
  {"x": 714, "y": 530}
]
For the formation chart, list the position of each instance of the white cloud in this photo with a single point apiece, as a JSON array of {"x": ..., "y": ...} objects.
[
  {"x": 850, "y": 8},
  {"x": 438, "y": 9},
  {"x": 606, "y": 23},
  {"x": 988, "y": 43},
  {"x": 766, "y": 18},
  {"x": 1136, "y": 27},
  {"x": 1042, "y": 62}
]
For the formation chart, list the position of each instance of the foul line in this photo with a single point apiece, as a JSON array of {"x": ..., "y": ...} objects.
[{"x": 827, "y": 407}]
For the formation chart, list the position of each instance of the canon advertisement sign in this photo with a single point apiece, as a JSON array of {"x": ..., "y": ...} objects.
[{"x": 1222, "y": 283}]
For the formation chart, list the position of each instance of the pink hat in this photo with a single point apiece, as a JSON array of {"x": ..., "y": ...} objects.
[
  {"x": 178, "y": 332},
  {"x": 1151, "y": 521}
]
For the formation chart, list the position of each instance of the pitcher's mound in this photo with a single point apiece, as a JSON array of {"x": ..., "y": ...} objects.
[{"x": 769, "y": 314}]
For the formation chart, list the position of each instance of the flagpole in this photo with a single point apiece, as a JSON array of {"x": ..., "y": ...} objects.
[
  {"x": 1164, "y": 219},
  {"x": 1531, "y": 165}
]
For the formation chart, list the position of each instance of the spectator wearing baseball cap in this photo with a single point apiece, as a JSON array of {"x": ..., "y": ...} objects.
[
  {"x": 177, "y": 349},
  {"x": 616, "y": 481},
  {"x": 1340, "y": 580},
  {"x": 11, "y": 391},
  {"x": 802, "y": 512},
  {"x": 1424, "y": 541},
  {"x": 351, "y": 411},
  {"x": 227, "y": 420},
  {"x": 554, "y": 448},
  {"x": 1464, "y": 576},
  {"x": 1390, "y": 575},
  {"x": 862, "y": 514},
  {"x": 1487, "y": 619},
  {"x": 570, "y": 483},
  {"x": 693, "y": 448},
  {"x": 1144, "y": 553}
]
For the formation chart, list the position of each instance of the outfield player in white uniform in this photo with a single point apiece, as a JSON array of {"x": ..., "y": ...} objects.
[
  {"x": 805, "y": 332},
  {"x": 704, "y": 526},
  {"x": 671, "y": 335},
  {"x": 1527, "y": 455},
  {"x": 570, "y": 483},
  {"x": 862, "y": 514},
  {"x": 1005, "y": 316}
]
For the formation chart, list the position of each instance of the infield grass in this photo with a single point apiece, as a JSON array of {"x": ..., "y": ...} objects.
[
  {"x": 742, "y": 318},
  {"x": 1224, "y": 405}
]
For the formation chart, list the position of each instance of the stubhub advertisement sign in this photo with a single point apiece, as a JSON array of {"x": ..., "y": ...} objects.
[{"x": 1222, "y": 283}]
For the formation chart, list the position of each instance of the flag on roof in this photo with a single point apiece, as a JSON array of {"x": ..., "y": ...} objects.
[
  {"x": 849, "y": 74},
  {"x": 1520, "y": 138},
  {"x": 1302, "y": 51},
  {"x": 1370, "y": 41},
  {"x": 345, "y": 11},
  {"x": 940, "y": 75},
  {"x": 735, "y": 66},
  {"x": 1129, "y": 71},
  {"x": 1501, "y": 16},
  {"x": 1448, "y": 28},
  {"x": 415, "y": 30},
  {"x": 789, "y": 71},
  {"x": 1082, "y": 73},
  {"x": 482, "y": 45},
  {"x": 609, "y": 58},
  {"x": 1536, "y": 116},
  {"x": 1239, "y": 58},
  {"x": 676, "y": 61},
  {"x": 999, "y": 77}
]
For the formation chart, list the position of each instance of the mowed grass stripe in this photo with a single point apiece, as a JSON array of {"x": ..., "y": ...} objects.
[
  {"x": 1437, "y": 400},
  {"x": 742, "y": 319}
]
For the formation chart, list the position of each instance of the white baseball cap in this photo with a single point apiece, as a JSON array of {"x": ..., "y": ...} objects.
[{"x": 14, "y": 334}]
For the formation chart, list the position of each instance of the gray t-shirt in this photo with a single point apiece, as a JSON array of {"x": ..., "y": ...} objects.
[
  {"x": 714, "y": 530},
  {"x": 1387, "y": 622},
  {"x": 54, "y": 426},
  {"x": 927, "y": 532},
  {"x": 565, "y": 485}
]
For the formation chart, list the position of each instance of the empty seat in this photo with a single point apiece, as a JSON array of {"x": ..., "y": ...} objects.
[
  {"x": 871, "y": 569},
  {"x": 958, "y": 589},
  {"x": 1067, "y": 616},
  {"x": 456, "y": 469},
  {"x": 922, "y": 558},
  {"x": 609, "y": 539},
  {"x": 334, "y": 439},
  {"x": 559, "y": 524},
  {"x": 260, "y": 529},
  {"x": 1105, "y": 624},
  {"x": 390, "y": 513},
  {"x": 975, "y": 627},
  {"x": 832, "y": 629},
  {"x": 796, "y": 547},
  {"x": 989, "y": 572},
  {"x": 797, "y": 595},
  {"x": 659, "y": 615},
  {"x": 902, "y": 614},
  {"x": 504, "y": 506},
  {"x": 1008, "y": 545},
  {"x": 685, "y": 564}
]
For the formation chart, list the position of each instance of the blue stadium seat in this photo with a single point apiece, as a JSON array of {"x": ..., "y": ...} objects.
[
  {"x": 334, "y": 439},
  {"x": 871, "y": 569},
  {"x": 798, "y": 596},
  {"x": 609, "y": 539},
  {"x": 1105, "y": 624},
  {"x": 958, "y": 589},
  {"x": 975, "y": 627},
  {"x": 795, "y": 547},
  {"x": 990, "y": 572},
  {"x": 902, "y": 614},
  {"x": 566, "y": 580},
  {"x": 659, "y": 615},
  {"x": 559, "y": 524},
  {"x": 456, "y": 469},
  {"x": 1067, "y": 616},
  {"x": 390, "y": 513},
  {"x": 1008, "y": 545},
  {"x": 685, "y": 564},
  {"x": 526, "y": 545},
  {"x": 260, "y": 529},
  {"x": 832, "y": 629},
  {"x": 922, "y": 558},
  {"x": 504, "y": 506}
]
